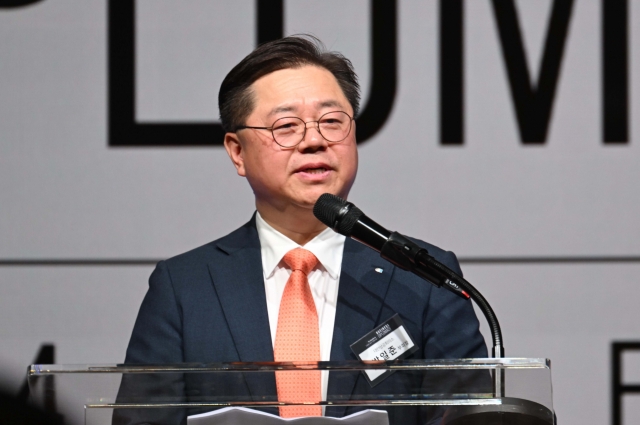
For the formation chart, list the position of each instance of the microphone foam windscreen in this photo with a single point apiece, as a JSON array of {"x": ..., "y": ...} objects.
[
  {"x": 327, "y": 207},
  {"x": 348, "y": 220},
  {"x": 337, "y": 213}
]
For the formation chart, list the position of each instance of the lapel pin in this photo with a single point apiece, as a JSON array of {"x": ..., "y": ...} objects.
[{"x": 378, "y": 269}]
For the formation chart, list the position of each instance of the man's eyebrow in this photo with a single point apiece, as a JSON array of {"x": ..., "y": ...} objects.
[
  {"x": 290, "y": 108},
  {"x": 280, "y": 109},
  {"x": 330, "y": 104}
]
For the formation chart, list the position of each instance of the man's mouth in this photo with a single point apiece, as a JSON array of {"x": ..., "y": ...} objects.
[
  {"x": 318, "y": 170},
  {"x": 314, "y": 168}
]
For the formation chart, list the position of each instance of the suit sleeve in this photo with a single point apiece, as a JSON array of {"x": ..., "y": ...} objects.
[
  {"x": 451, "y": 327},
  {"x": 452, "y": 331},
  {"x": 157, "y": 334},
  {"x": 156, "y": 339}
]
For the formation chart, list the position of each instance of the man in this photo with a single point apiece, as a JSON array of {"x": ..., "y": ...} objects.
[{"x": 288, "y": 110}]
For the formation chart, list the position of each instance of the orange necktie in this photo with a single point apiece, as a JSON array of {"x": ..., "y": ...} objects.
[{"x": 298, "y": 338}]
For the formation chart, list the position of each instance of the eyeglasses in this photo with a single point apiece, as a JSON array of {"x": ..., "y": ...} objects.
[{"x": 288, "y": 132}]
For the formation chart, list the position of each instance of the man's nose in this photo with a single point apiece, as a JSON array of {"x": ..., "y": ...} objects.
[{"x": 312, "y": 137}]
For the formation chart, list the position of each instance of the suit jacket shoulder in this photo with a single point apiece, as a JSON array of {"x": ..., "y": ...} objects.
[
  {"x": 184, "y": 302},
  {"x": 243, "y": 237}
]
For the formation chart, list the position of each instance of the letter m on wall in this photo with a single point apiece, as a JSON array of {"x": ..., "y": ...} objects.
[{"x": 533, "y": 101}]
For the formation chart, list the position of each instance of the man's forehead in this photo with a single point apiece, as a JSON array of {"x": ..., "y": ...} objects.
[{"x": 294, "y": 89}]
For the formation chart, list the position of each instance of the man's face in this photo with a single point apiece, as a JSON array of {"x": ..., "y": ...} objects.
[{"x": 285, "y": 177}]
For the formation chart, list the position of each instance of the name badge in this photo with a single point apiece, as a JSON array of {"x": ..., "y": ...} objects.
[{"x": 389, "y": 341}]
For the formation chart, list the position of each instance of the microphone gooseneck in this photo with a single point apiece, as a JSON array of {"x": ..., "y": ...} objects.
[{"x": 348, "y": 220}]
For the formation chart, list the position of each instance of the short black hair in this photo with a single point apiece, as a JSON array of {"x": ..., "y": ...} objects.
[{"x": 235, "y": 98}]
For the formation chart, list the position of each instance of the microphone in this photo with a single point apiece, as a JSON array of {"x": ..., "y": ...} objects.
[{"x": 348, "y": 220}]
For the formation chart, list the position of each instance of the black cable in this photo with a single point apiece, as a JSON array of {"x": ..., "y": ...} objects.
[{"x": 428, "y": 261}]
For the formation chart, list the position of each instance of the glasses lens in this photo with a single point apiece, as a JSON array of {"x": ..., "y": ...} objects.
[
  {"x": 287, "y": 132},
  {"x": 335, "y": 126}
]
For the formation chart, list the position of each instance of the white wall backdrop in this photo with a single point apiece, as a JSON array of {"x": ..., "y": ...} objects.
[{"x": 66, "y": 195}]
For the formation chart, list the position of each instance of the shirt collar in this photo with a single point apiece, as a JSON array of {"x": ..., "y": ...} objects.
[{"x": 327, "y": 247}]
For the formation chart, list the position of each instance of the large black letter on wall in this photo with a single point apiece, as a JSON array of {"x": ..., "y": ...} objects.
[
  {"x": 384, "y": 46},
  {"x": 618, "y": 389},
  {"x": 16, "y": 3},
  {"x": 124, "y": 130},
  {"x": 270, "y": 20},
  {"x": 615, "y": 80},
  {"x": 451, "y": 73},
  {"x": 533, "y": 103}
]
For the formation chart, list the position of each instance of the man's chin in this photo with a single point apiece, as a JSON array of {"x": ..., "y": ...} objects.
[
  {"x": 307, "y": 202},
  {"x": 304, "y": 198},
  {"x": 310, "y": 200}
]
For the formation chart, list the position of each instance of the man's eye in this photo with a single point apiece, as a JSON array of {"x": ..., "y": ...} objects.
[
  {"x": 285, "y": 122},
  {"x": 286, "y": 127},
  {"x": 331, "y": 123}
]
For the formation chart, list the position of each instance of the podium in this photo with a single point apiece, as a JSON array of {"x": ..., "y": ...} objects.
[{"x": 492, "y": 391}]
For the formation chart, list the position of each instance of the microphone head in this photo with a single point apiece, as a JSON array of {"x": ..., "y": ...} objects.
[{"x": 337, "y": 213}]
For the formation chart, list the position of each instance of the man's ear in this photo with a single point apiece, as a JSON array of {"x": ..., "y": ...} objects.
[{"x": 234, "y": 150}]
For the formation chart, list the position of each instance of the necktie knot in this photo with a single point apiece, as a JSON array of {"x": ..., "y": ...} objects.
[{"x": 300, "y": 259}]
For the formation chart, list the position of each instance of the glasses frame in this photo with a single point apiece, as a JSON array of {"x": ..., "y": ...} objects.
[{"x": 304, "y": 133}]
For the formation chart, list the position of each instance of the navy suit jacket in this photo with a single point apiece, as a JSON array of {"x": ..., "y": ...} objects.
[{"x": 208, "y": 305}]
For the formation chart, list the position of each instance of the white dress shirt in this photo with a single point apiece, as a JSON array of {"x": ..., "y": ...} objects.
[{"x": 323, "y": 280}]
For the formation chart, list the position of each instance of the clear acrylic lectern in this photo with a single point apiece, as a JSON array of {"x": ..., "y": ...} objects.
[{"x": 448, "y": 392}]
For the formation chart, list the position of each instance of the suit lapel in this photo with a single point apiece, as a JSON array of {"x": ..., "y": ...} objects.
[
  {"x": 239, "y": 284},
  {"x": 361, "y": 296}
]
